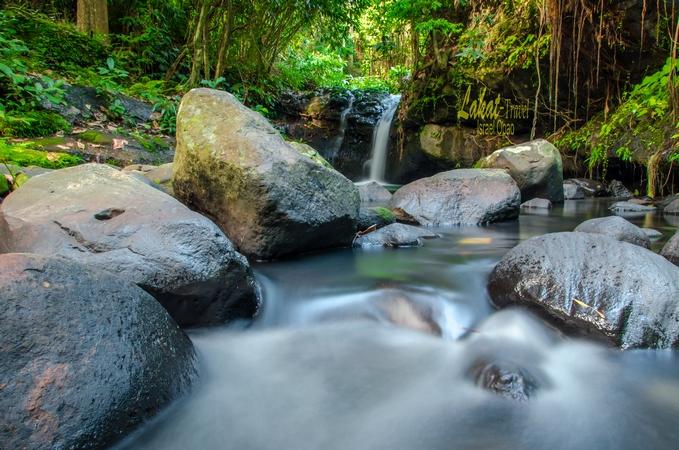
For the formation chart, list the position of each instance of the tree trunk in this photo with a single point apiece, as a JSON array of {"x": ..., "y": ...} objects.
[{"x": 92, "y": 16}]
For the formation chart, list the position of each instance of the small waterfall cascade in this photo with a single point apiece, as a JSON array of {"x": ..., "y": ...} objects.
[
  {"x": 378, "y": 160},
  {"x": 339, "y": 140}
]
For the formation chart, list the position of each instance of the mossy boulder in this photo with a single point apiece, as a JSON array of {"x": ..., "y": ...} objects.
[{"x": 270, "y": 199}]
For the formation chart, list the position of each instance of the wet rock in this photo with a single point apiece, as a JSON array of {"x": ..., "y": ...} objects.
[
  {"x": 618, "y": 190},
  {"x": 572, "y": 191},
  {"x": 589, "y": 188},
  {"x": 594, "y": 285},
  {"x": 535, "y": 166},
  {"x": 267, "y": 197},
  {"x": 672, "y": 208},
  {"x": 631, "y": 207},
  {"x": 505, "y": 379},
  {"x": 377, "y": 216},
  {"x": 460, "y": 197},
  {"x": 403, "y": 308},
  {"x": 395, "y": 235},
  {"x": 652, "y": 234},
  {"x": 671, "y": 250},
  {"x": 617, "y": 228},
  {"x": 86, "y": 356},
  {"x": 373, "y": 192},
  {"x": 538, "y": 203},
  {"x": 111, "y": 221}
]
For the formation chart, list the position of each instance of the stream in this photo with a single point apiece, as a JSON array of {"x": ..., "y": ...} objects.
[{"x": 382, "y": 349}]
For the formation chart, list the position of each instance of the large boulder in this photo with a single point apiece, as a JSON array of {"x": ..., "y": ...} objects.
[
  {"x": 535, "y": 166},
  {"x": 112, "y": 221},
  {"x": 671, "y": 250},
  {"x": 84, "y": 356},
  {"x": 617, "y": 228},
  {"x": 269, "y": 199},
  {"x": 460, "y": 197},
  {"x": 395, "y": 235},
  {"x": 595, "y": 285}
]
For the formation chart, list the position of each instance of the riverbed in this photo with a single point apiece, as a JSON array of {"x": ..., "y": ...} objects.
[{"x": 381, "y": 349}]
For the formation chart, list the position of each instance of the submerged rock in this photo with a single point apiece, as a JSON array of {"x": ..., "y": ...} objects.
[
  {"x": 373, "y": 192},
  {"x": 85, "y": 356},
  {"x": 631, "y": 207},
  {"x": 505, "y": 379},
  {"x": 538, "y": 203},
  {"x": 460, "y": 197},
  {"x": 617, "y": 228},
  {"x": 535, "y": 166},
  {"x": 671, "y": 250},
  {"x": 395, "y": 235},
  {"x": 110, "y": 220},
  {"x": 267, "y": 197},
  {"x": 618, "y": 190},
  {"x": 593, "y": 285}
]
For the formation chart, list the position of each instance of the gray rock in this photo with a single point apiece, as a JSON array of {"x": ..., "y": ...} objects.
[
  {"x": 630, "y": 207},
  {"x": 652, "y": 234},
  {"x": 395, "y": 235},
  {"x": 617, "y": 228},
  {"x": 572, "y": 191},
  {"x": 149, "y": 238},
  {"x": 593, "y": 285},
  {"x": 377, "y": 216},
  {"x": 539, "y": 203},
  {"x": 86, "y": 356},
  {"x": 460, "y": 197},
  {"x": 671, "y": 250},
  {"x": 535, "y": 166},
  {"x": 373, "y": 192},
  {"x": 266, "y": 196},
  {"x": 672, "y": 207},
  {"x": 618, "y": 190},
  {"x": 589, "y": 188},
  {"x": 30, "y": 171}
]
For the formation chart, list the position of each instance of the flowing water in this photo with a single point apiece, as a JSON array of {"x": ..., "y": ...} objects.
[
  {"x": 339, "y": 139},
  {"x": 378, "y": 160},
  {"x": 381, "y": 349}
]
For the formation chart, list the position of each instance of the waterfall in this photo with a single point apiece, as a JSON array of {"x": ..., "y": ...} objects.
[
  {"x": 378, "y": 160},
  {"x": 339, "y": 140}
]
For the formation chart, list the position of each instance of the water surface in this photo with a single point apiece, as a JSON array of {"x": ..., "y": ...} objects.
[{"x": 379, "y": 349}]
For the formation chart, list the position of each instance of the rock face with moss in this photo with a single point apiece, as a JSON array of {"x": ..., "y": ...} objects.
[
  {"x": 535, "y": 166},
  {"x": 594, "y": 285},
  {"x": 267, "y": 197},
  {"x": 112, "y": 221},
  {"x": 460, "y": 197},
  {"x": 86, "y": 356}
]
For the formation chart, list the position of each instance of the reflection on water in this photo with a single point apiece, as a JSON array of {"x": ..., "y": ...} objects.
[{"x": 382, "y": 349}]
